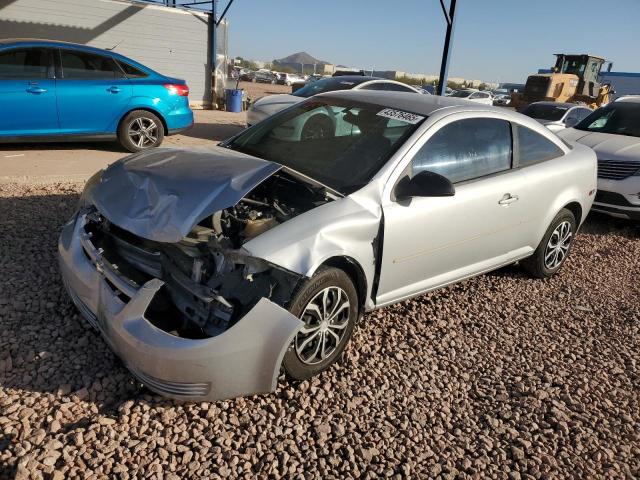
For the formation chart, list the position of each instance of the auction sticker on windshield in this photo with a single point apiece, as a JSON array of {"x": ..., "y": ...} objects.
[{"x": 407, "y": 117}]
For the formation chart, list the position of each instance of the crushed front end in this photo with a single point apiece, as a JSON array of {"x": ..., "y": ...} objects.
[{"x": 198, "y": 319}]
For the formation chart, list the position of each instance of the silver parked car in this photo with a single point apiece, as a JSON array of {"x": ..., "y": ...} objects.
[
  {"x": 210, "y": 270},
  {"x": 613, "y": 132},
  {"x": 556, "y": 116},
  {"x": 265, "y": 106}
]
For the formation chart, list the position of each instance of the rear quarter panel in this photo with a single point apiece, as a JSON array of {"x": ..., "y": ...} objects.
[{"x": 556, "y": 183}]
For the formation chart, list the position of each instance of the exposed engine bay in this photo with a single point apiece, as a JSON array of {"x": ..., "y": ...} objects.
[{"x": 210, "y": 280}]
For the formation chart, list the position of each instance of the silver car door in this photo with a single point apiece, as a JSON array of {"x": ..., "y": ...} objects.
[
  {"x": 545, "y": 168},
  {"x": 430, "y": 241}
]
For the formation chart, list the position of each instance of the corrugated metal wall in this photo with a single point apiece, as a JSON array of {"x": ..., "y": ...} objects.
[{"x": 172, "y": 41}]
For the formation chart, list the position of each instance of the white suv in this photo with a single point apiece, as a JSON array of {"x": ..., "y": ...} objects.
[{"x": 613, "y": 131}]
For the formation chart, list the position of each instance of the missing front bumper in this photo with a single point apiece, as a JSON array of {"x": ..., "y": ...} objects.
[{"x": 243, "y": 360}]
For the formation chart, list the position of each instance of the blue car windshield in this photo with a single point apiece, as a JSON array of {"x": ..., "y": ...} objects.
[{"x": 339, "y": 143}]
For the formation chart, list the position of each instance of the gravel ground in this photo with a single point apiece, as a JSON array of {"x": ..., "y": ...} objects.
[{"x": 498, "y": 377}]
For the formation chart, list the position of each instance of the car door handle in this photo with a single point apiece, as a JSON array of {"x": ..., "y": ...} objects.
[
  {"x": 114, "y": 89},
  {"x": 508, "y": 199},
  {"x": 36, "y": 89}
]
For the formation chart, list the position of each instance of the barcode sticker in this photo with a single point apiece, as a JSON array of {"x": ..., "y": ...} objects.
[{"x": 407, "y": 117}]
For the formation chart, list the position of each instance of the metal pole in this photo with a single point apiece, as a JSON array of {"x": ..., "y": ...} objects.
[
  {"x": 446, "y": 50},
  {"x": 224, "y": 12},
  {"x": 214, "y": 53}
]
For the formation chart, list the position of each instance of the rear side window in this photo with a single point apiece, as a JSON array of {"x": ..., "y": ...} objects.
[
  {"x": 394, "y": 87},
  {"x": 130, "y": 71},
  {"x": 466, "y": 149},
  {"x": 88, "y": 66},
  {"x": 374, "y": 86},
  {"x": 25, "y": 64},
  {"x": 534, "y": 148}
]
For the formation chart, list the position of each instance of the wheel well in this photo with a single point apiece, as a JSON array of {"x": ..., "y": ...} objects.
[
  {"x": 155, "y": 112},
  {"x": 355, "y": 272},
  {"x": 576, "y": 209}
]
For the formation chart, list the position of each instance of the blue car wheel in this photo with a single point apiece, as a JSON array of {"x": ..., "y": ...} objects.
[{"x": 140, "y": 130}]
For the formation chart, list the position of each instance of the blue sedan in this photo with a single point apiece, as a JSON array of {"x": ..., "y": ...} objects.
[{"x": 62, "y": 91}]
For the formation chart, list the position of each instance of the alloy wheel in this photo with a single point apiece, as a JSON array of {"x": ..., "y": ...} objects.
[
  {"x": 326, "y": 318},
  {"x": 143, "y": 132},
  {"x": 558, "y": 245}
]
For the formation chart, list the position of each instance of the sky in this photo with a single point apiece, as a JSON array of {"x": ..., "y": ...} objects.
[{"x": 494, "y": 40}]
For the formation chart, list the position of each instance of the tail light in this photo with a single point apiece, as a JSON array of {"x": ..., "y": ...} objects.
[{"x": 175, "y": 89}]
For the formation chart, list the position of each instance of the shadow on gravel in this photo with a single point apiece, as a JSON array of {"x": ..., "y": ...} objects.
[
  {"x": 45, "y": 345},
  {"x": 213, "y": 131},
  {"x": 601, "y": 224},
  {"x": 61, "y": 146},
  {"x": 7, "y": 442}
]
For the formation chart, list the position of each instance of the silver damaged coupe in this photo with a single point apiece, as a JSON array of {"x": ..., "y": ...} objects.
[{"x": 212, "y": 271}]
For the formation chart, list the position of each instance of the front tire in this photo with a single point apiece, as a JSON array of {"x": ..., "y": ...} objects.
[
  {"x": 140, "y": 130},
  {"x": 328, "y": 304},
  {"x": 554, "y": 248}
]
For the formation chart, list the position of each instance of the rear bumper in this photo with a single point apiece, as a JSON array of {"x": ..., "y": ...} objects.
[
  {"x": 179, "y": 120},
  {"x": 243, "y": 360}
]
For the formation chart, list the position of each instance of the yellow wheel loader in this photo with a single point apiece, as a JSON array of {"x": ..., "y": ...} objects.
[{"x": 573, "y": 79}]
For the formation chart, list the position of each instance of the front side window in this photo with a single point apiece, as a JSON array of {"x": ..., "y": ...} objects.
[
  {"x": 583, "y": 113},
  {"x": 572, "y": 117},
  {"x": 88, "y": 66},
  {"x": 394, "y": 87},
  {"x": 25, "y": 64},
  {"x": 534, "y": 148},
  {"x": 466, "y": 149},
  {"x": 339, "y": 143}
]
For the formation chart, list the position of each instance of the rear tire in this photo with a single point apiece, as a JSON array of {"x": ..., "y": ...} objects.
[
  {"x": 140, "y": 130},
  {"x": 554, "y": 248},
  {"x": 328, "y": 304}
]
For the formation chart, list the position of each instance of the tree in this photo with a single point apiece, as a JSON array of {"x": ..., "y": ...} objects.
[{"x": 243, "y": 63}]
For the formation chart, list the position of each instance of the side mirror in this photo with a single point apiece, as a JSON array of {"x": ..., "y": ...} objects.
[{"x": 424, "y": 184}]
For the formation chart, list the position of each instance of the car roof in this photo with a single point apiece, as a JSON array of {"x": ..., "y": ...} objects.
[
  {"x": 43, "y": 42},
  {"x": 410, "y": 102}
]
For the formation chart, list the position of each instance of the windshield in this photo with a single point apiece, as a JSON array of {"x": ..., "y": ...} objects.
[
  {"x": 326, "y": 85},
  {"x": 339, "y": 143},
  {"x": 619, "y": 118},
  {"x": 461, "y": 94},
  {"x": 545, "y": 112},
  {"x": 574, "y": 65}
]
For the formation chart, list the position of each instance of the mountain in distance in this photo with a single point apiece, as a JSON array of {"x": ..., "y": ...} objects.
[{"x": 301, "y": 57}]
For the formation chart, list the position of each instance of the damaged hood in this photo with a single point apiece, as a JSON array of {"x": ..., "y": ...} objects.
[{"x": 161, "y": 194}]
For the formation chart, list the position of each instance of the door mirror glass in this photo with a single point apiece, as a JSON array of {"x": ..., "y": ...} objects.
[{"x": 424, "y": 184}]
